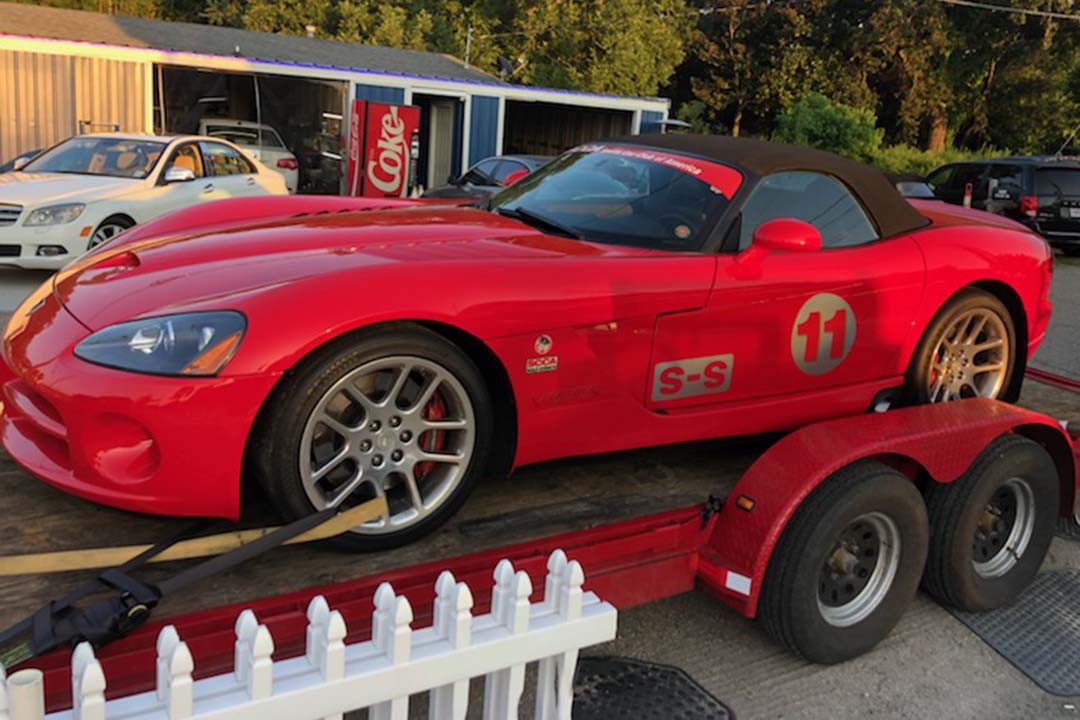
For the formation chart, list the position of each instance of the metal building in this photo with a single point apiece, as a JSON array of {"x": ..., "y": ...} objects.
[{"x": 66, "y": 71}]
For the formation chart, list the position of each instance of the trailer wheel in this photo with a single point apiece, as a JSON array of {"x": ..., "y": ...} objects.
[
  {"x": 990, "y": 529},
  {"x": 847, "y": 565}
]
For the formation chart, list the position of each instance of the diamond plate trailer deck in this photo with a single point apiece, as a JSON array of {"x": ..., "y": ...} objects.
[{"x": 630, "y": 561}]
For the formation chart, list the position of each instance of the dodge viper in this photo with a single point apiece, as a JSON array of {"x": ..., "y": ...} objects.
[{"x": 633, "y": 292}]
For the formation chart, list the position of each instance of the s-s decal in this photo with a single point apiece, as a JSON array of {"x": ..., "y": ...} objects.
[
  {"x": 822, "y": 334},
  {"x": 692, "y": 376}
]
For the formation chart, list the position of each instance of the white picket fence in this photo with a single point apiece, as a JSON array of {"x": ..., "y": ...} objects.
[{"x": 333, "y": 678}]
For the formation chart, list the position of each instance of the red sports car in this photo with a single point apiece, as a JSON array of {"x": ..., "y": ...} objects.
[{"x": 634, "y": 292}]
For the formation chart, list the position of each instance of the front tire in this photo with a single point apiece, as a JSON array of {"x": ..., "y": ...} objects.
[
  {"x": 398, "y": 412},
  {"x": 847, "y": 565},
  {"x": 968, "y": 350},
  {"x": 990, "y": 529},
  {"x": 109, "y": 228}
]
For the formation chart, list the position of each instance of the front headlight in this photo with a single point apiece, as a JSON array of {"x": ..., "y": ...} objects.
[
  {"x": 55, "y": 214},
  {"x": 199, "y": 343}
]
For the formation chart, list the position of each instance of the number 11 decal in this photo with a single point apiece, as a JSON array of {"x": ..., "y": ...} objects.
[{"x": 823, "y": 333}]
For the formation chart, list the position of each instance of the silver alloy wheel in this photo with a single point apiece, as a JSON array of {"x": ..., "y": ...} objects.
[
  {"x": 859, "y": 570},
  {"x": 1005, "y": 529},
  {"x": 400, "y": 427},
  {"x": 105, "y": 233},
  {"x": 971, "y": 359}
]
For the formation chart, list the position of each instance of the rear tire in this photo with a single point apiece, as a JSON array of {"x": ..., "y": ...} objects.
[
  {"x": 1007, "y": 500},
  {"x": 960, "y": 360},
  {"x": 847, "y": 564},
  {"x": 318, "y": 411}
]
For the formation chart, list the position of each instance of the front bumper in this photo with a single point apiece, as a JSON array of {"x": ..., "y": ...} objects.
[
  {"x": 19, "y": 245},
  {"x": 169, "y": 446}
]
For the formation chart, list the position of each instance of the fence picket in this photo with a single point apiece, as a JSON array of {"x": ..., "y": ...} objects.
[
  {"x": 453, "y": 608},
  {"x": 4, "y": 715},
  {"x": 380, "y": 675},
  {"x": 88, "y": 684},
  {"x": 545, "y": 676},
  {"x": 167, "y": 640},
  {"x": 26, "y": 695},
  {"x": 259, "y": 668},
  {"x": 245, "y": 627}
]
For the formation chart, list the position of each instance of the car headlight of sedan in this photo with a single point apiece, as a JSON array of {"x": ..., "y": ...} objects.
[
  {"x": 55, "y": 214},
  {"x": 192, "y": 344}
]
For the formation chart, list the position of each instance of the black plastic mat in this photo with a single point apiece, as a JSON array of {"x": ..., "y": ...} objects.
[
  {"x": 1039, "y": 633},
  {"x": 606, "y": 688}
]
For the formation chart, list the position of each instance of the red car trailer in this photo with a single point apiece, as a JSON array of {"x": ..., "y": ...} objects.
[{"x": 795, "y": 528}]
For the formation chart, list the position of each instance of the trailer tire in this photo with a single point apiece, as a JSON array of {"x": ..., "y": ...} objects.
[
  {"x": 1008, "y": 498},
  {"x": 867, "y": 497}
]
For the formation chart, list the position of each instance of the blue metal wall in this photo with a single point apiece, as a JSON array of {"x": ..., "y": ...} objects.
[
  {"x": 375, "y": 93},
  {"x": 650, "y": 121},
  {"x": 484, "y": 128}
]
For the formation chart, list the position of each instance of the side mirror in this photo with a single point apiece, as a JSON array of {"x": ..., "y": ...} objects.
[
  {"x": 178, "y": 175},
  {"x": 786, "y": 234},
  {"x": 20, "y": 163},
  {"x": 513, "y": 177}
]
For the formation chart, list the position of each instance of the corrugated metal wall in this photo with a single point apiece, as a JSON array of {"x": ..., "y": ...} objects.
[
  {"x": 484, "y": 128},
  {"x": 379, "y": 94},
  {"x": 45, "y": 96}
]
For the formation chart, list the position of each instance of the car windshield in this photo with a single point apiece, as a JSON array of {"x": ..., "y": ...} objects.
[
  {"x": 112, "y": 157},
  {"x": 1058, "y": 181},
  {"x": 621, "y": 196},
  {"x": 245, "y": 135}
]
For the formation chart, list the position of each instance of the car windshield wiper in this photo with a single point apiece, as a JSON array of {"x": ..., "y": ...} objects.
[{"x": 537, "y": 220}]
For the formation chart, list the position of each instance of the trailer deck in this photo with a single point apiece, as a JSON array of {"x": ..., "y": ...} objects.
[{"x": 538, "y": 502}]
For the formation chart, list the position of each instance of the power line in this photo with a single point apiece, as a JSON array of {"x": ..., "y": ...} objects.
[{"x": 1014, "y": 10}]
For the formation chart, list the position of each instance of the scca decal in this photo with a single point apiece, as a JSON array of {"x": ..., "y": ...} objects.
[{"x": 691, "y": 377}]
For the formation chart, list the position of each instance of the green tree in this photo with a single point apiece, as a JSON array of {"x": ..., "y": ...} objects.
[{"x": 815, "y": 121}]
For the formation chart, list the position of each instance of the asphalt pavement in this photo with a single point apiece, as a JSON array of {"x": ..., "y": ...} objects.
[{"x": 1060, "y": 351}]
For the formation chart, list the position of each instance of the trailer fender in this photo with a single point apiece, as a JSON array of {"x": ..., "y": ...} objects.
[{"x": 937, "y": 442}]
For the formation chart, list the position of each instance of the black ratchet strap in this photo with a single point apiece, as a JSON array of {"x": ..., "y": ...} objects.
[{"x": 129, "y": 601}]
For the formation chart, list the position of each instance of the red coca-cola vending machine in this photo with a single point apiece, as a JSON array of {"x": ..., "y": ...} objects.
[{"x": 383, "y": 144}]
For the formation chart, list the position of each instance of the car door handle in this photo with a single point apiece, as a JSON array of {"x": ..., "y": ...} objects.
[
  {"x": 251, "y": 181},
  {"x": 209, "y": 188}
]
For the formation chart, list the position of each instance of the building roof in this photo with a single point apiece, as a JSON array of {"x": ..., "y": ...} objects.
[
  {"x": 80, "y": 26},
  {"x": 891, "y": 213}
]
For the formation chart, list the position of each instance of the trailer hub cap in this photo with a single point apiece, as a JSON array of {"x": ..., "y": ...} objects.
[
  {"x": 971, "y": 359},
  {"x": 859, "y": 569},
  {"x": 1004, "y": 529},
  {"x": 399, "y": 427}
]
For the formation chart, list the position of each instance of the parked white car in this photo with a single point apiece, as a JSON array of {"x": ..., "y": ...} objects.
[
  {"x": 270, "y": 150},
  {"x": 89, "y": 188}
]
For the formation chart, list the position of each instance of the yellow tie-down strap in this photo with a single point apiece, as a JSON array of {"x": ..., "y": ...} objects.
[{"x": 91, "y": 558}]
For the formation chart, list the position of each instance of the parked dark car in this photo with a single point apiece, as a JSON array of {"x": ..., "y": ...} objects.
[
  {"x": 489, "y": 176},
  {"x": 911, "y": 185},
  {"x": 1041, "y": 192},
  {"x": 20, "y": 160}
]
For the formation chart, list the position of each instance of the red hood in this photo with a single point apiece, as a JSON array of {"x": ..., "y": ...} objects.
[{"x": 162, "y": 274}]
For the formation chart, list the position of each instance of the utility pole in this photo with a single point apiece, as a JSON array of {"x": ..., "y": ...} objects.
[{"x": 468, "y": 44}]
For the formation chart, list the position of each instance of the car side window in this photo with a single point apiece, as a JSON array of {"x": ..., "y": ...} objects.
[
  {"x": 1007, "y": 176},
  {"x": 480, "y": 173},
  {"x": 939, "y": 179},
  {"x": 974, "y": 174},
  {"x": 224, "y": 160},
  {"x": 815, "y": 198},
  {"x": 505, "y": 168},
  {"x": 187, "y": 156}
]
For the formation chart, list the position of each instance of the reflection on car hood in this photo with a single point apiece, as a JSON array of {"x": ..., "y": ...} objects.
[
  {"x": 39, "y": 189},
  {"x": 166, "y": 274}
]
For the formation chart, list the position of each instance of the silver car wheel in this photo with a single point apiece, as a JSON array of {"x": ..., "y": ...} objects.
[
  {"x": 104, "y": 233},
  {"x": 859, "y": 570},
  {"x": 399, "y": 427},
  {"x": 1005, "y": 529},
  {"x": 971, "y": 359}
]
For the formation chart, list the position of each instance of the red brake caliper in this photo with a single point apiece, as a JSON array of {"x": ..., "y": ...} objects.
[{"x": 432, "y": 440}]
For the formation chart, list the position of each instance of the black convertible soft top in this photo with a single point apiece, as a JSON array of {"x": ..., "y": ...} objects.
[{"x": 887, "y": 208}]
